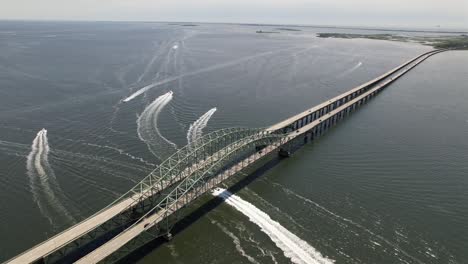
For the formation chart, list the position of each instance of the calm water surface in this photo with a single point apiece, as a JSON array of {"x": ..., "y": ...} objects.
[{"x": 388, "y": 185}]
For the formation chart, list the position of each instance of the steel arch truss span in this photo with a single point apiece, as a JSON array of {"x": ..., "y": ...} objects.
[
  {"x": 162, "y": 216},
  {"x": 143, "y": 196}
]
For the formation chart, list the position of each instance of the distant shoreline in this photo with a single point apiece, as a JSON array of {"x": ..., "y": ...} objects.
[
  {"x": 439, "y": 42},
  {"x": 372, "y": 28}
]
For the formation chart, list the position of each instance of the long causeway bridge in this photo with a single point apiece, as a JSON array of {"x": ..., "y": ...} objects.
[{"x": 152, "y": 207}]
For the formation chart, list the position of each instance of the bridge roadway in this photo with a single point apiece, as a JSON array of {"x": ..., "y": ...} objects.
[
  {"x": 310, "y": 121},
  {"x": 89, "y": 224},
  {"x": 323, "y": 108},
  {"x": 329, "y": 119},
  {"x": 123, "y": 238}
]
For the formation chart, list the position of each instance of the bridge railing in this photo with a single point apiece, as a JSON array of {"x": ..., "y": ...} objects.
[
  {"x": 330, "y": 104},
  {"x": 150, "y": 185},
  {"x": 184, "y": 162},
  {"x": 186, "y": 159},
  {"x": 178, "y": 197}
]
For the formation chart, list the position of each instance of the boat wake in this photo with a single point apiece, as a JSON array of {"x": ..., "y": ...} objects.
[
  {"x": 156, "y": 56},
  {"x": 122, "y": 152},
  {"x": 137, "y": 93},
  {"x": 166, "y": 55},
  {"x": 339, "y": 219},
  {"x": 350, "y": 70},
  {"x": 294, "y": 248},
  {"x": 359, "y": 64},
  {"x": 196, "y": 129},
  {"x": 193, "y": 73},
  {"x": 237, "y": 242},
  {"x": 148, "y": 130},
  {"x": 44, "y": 186}
]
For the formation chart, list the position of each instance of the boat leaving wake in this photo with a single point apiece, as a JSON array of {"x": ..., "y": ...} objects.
[
  {"x": 359, "y": 64},
  {"x": 294, "y": 248},
  {"x": 137, "y": 93},
  {"x": 196, "y": 129},
  {"x": 44, "y": 186},
  {"x": 148, "y": 130}
]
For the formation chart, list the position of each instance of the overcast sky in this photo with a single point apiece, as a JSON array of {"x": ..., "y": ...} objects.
[{"x": 401, "y": 13}]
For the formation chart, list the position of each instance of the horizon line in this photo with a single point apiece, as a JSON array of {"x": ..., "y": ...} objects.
[{"x": 433, "y": 29}]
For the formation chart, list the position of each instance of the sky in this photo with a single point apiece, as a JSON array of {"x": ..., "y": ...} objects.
[{"x": 387, "y": 13}]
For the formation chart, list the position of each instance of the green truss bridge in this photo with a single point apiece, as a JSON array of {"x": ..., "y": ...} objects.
[{"x": 152, "y": 207}]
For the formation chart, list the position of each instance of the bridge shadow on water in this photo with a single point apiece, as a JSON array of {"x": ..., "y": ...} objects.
[
  {"x": 198, "y": 213},
  {"x": 253, "y": 173}
]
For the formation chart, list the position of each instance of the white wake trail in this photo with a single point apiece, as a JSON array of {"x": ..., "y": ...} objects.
[
  {"x": 203, "y": 70},
  {"x": 155, "y": 57},
  {"x": 196, "y": 129},
  {"x": 139, "y": 92},
  {"x": 165, "y": 61},
  {"x": 350, "y": 70},
  {"x": 236, "y": 242},
  {"x": 121, "y": 152},
  {"x": 359, "y": 64},
  {"x": 148, "y": 130},
  {"x": 349, "y": 221},
  {"x": 294, "y": 248},
  {"x": 44, "y": 187},
  {"x": 31, "y": 167}
]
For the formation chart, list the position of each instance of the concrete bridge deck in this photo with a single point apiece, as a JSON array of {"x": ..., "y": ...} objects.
[
  {"x": 71, "y": 234},
  {"x": 338, "y": 99},
  {"x": 119, "y": 241},
  {"x": 349, "y": 106},
  {"x": 107, "y": 249},
  {"x": 308, "y": 122}
]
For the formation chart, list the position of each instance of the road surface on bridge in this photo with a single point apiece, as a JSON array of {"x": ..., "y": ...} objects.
[{"x": 79, "y": 230}]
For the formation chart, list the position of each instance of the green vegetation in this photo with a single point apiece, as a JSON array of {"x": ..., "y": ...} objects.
[
  {"x": 438, "y": 42},
  {"x": 367, "y": 36},
  {"x": 459, "y": 42}
]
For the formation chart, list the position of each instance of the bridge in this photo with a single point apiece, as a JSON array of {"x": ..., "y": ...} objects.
[{"x": 152, "y": 207}]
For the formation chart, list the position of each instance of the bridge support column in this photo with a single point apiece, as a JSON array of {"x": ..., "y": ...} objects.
[
  {"x": 284, "y": 153},
  {"x": 168, "y": 237}
]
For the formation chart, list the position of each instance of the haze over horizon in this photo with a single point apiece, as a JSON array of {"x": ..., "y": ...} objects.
[{"x": 398, "y": 13}]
